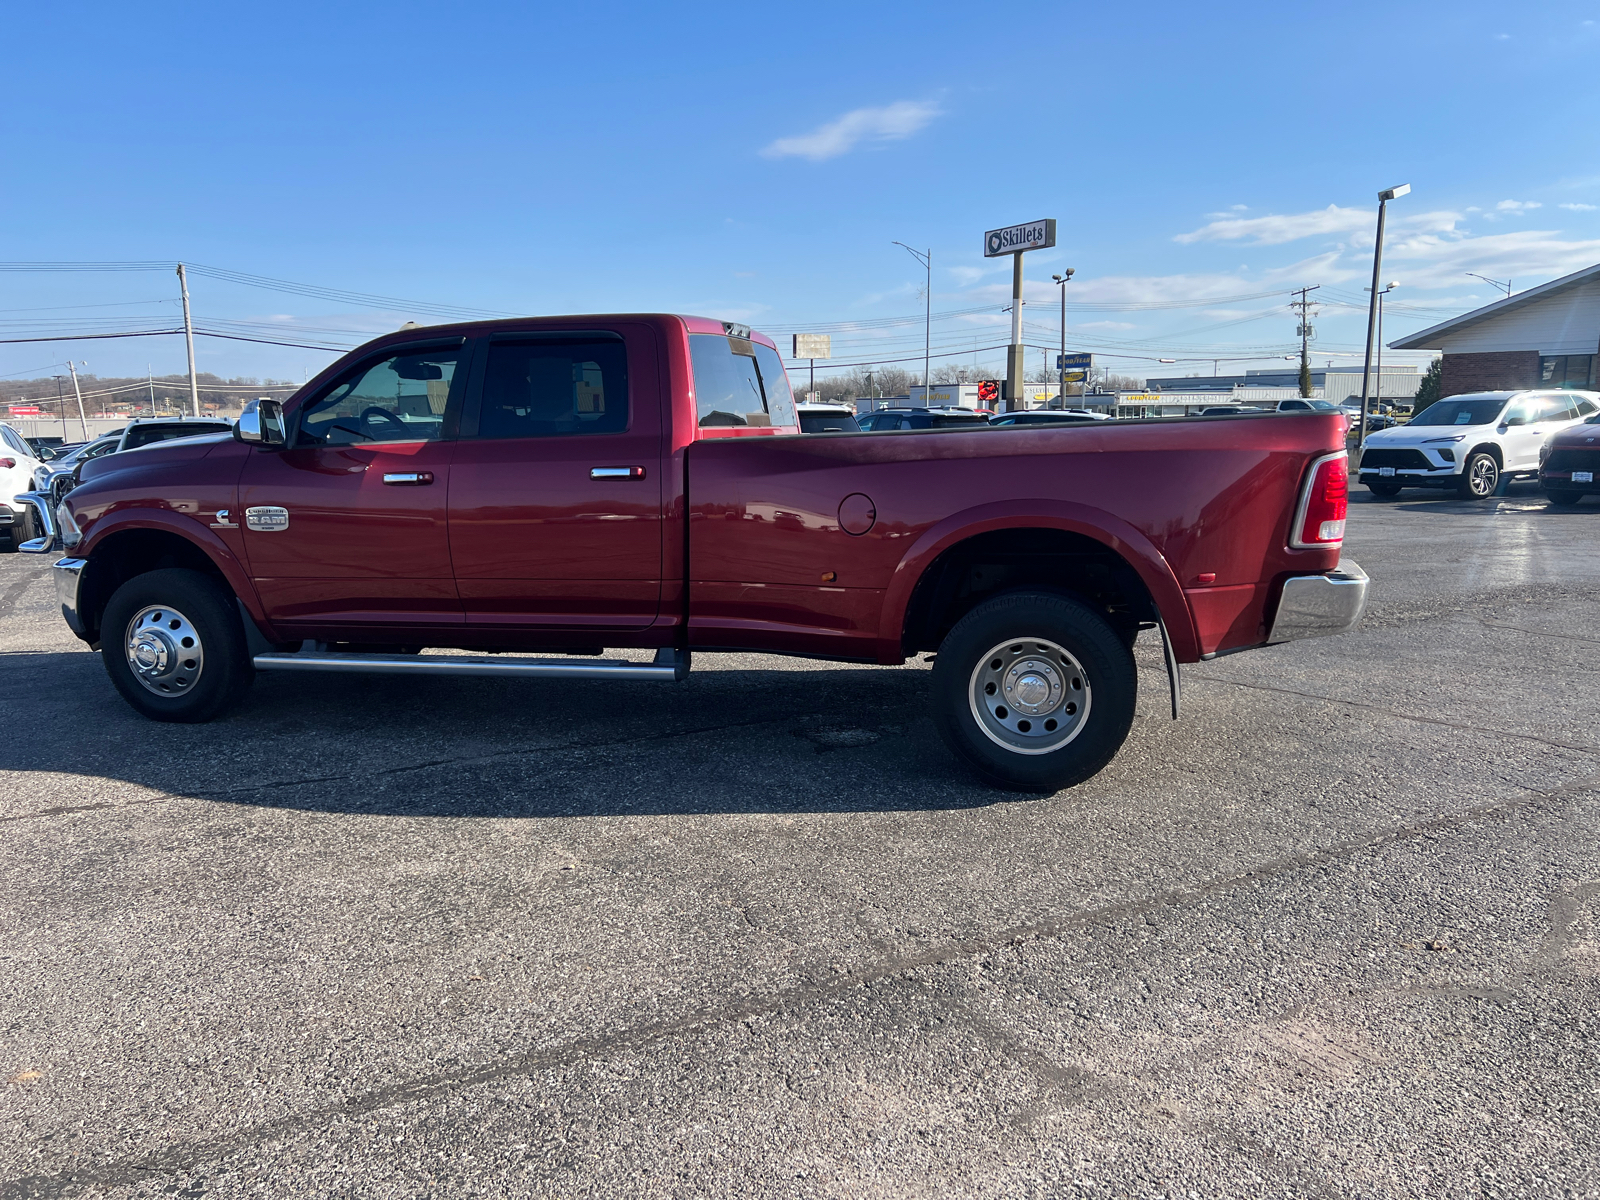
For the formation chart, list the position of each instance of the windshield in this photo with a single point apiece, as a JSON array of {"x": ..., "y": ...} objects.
[
  {"x": 1460, "y": 412},
  {"x": 841, "y": 422}
]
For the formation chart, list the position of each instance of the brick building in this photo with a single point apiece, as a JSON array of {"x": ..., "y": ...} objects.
[{"x": 1547, "y": 336}]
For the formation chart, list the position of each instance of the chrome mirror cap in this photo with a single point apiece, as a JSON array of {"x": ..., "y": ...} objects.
[
  {"x": 260, "y": 424},
  {"x": 248, "y": 427}
]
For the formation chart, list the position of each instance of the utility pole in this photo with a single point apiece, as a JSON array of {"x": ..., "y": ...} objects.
[
  {"x": 188, "y": 336},
  {"x": 82, "y": 420},
  {"x": 1303, "y": 307},
  {"x": 150, "y": 378},
  {"x": 61, "y": 406},
  {"x": 1384, "y": 197},
  {"x": 927, "y": 330}
]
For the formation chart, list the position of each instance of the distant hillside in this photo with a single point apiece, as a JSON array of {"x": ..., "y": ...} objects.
[{"x": 125, "y": 397}]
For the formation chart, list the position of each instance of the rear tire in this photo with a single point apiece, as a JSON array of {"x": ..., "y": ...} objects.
[
  {"x": 1034, "y": 691},
  {"x": 174, "y": 646},
  {"x": 1479, "y": 477},
  {"x": 1564, "y": 499},
  {"x": 1385, "y": 489}
]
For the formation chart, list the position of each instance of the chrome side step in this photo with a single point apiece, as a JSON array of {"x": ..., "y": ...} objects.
[{"x": 669, "y": 665}]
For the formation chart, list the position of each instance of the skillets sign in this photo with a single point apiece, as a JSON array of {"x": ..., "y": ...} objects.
[{"x": 1014, "y": 239}]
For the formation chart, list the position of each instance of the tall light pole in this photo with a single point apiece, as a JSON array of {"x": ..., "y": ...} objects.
[
  {"x": 927, "y": 330},
  {"x": 1384, "y": 197},
  {"x": 1061, "y": 364},
  {"x": 188, "y": 336},
  {"x": 1494, "y": 282}
]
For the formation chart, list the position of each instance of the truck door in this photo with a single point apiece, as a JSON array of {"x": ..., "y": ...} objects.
[
  {"x": 346, "y": 525},
  {"x": 556, "y": 491}
]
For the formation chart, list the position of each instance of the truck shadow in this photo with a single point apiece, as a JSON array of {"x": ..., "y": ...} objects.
[{"x": 790, "y": 740}]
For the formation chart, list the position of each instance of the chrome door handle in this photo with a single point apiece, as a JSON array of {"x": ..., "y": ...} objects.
[
  {"x": 616, "y": 472},
  {"x": 412, "y": 478}
]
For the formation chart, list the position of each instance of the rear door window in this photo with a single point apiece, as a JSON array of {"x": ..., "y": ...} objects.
[
  {"x": 738, "y": 382},
  {"x": 554, "y": 388}
]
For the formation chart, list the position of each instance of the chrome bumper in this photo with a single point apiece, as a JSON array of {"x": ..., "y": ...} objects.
[
  {"x": 1320, "y": 605},
  {"x": 47, "y": 522},
  {"x": 68, "y": 572}
]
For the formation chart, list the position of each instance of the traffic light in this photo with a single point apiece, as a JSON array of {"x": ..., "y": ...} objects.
[{"x": 989, "y": 391}]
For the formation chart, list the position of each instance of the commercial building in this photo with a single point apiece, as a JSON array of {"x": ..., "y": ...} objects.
[
  {"x": 965, "y": 395},
  {"x": 1547, "y": 336},
  {"x": 1337, "y": 384}
]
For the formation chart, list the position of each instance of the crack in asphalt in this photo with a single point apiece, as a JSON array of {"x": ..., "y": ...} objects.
[
  {"x": 1569, "y": 637},
  {"x": 1400, "y": 716},
  {"x": 183, "y": 1159}
]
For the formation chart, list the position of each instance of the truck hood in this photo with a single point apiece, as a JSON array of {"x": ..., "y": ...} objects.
[{"x": 175, "y": 452}]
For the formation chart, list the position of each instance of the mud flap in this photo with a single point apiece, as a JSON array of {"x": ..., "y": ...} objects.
[{"x": 1174, "y": 677}]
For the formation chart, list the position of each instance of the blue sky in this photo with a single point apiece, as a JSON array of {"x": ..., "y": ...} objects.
[{"x": 757, "y": 163}]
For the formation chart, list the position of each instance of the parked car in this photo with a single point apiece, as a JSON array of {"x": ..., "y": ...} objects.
[
  {"x": 146, "y": 431},
  {"x": 827, "y": 418},
  {"x": 46, "y": 448},
  {"x": 1306, "y": 405},
  {"x": 1047, "y": 416},
  {"x": 1467, "y": 442},
  {"x": 56, "y": 477},
  {"x": 1377, "y": 419},
  {"x": 17, "y": 464},
  {"x": 886, "y": 419},
  {"x": 641, "y": 481},
  {"x": 1231, "y": 410},
  {"x": 1569, "y": 463}
]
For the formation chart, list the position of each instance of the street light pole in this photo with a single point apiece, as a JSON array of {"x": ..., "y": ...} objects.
[
  {"x": 1061, "y": 364},
  {"x": 927, "y": 330},
  {"x": 1377, "y": 368},
  {"x": 1384, "y": 197}
]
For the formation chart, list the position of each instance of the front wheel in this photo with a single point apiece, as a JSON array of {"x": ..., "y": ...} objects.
[
  {"x": 1479, "y": 477},
  {"x": 1034, "y": 691},
  {"x": 174, "y": 646},
  {"x": 1384, "y": 488},
  {"x": 1563, "y": 499}
]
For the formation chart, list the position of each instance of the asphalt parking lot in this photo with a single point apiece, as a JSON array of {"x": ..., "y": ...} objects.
[{"x": 1335, "y": 933}]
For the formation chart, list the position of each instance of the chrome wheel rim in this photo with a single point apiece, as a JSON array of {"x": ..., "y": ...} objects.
[
  {"x": 164, "y": 651},
  {"x": 1484, "y": 476},
  {"x": 1029, "y": 695}
]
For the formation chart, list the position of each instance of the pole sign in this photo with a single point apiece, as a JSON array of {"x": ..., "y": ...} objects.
[
  {"x": 813, "y": 345},
  {"x": 1035, "y": 235},
  {"x": 1074, "y": 362}
]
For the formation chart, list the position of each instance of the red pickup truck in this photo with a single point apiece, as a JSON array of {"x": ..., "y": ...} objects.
[{"x": 556, "y": 486}]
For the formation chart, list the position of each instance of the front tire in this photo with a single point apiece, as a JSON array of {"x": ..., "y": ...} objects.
[
  {"x": 1563, "y": 499},
  {"x": 1385, "y": 489},
  {"x": 1479, "y": 477},
  {"x": 1034, "y": 691},
  {"x": 174, "y": 646}
]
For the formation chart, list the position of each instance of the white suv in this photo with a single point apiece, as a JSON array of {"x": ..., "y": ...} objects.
[
  {"x": 1467, "y": 442},
  {"x": 17, "y": 463}
]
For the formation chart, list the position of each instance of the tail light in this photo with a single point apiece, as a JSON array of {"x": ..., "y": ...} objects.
[
  {"x": 1319, "y": 520},
  {"x": 7, "y": 463}
]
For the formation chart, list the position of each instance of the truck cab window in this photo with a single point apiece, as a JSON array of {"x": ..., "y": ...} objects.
[
  {"x": 398, "y": 399},
  {"x": 551, "y": 389}
]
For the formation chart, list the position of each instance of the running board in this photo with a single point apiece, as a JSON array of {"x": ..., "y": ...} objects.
[{"x": 669, "y": 665}]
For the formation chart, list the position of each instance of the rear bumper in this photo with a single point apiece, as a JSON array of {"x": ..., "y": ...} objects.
[{"x": 1320, "y": 605}]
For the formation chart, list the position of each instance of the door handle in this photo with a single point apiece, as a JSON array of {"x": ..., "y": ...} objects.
[
  {"x": 616, "y": 472},
  {"x": 408, "y": 478}
]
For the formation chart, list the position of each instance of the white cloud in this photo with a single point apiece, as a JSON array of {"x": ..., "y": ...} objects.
[
  {"x": 1578, "y": 207},
  {"x": 1275, "y": 230},
  {"x": 967, "y": 276},
  {"x": 1515, "y": 206},
  {"x": 1111, "y": 326},
  {"x": 890, "y": 123}
]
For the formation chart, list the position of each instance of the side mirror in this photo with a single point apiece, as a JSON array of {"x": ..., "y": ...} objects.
[
  {"x": 1513, "y": 422},
  {"x": 261, "y": 423}
]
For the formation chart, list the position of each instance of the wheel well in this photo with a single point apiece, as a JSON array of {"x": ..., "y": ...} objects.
[
  {"x": 134, "y": 552},
  {"x": 1488, "y": 448},
  {"x": 1007, "y": 559}
]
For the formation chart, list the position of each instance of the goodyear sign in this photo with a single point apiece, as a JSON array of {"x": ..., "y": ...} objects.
[{"x": 1014, "y": 239}]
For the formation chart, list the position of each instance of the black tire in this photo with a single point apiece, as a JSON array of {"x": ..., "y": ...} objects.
[
  {"x": 1480, "y": 475},
  {"x": 1385, "y": 488},
  {"x": 22, "y": 530},
  {"x": 1563, "y": 499},
  {"x": 1086, "y": 659},
  {"x": 178, "y": 611}
]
